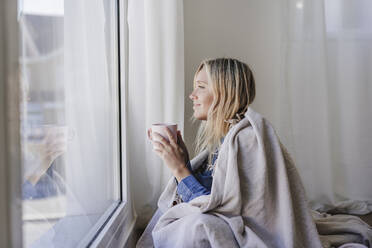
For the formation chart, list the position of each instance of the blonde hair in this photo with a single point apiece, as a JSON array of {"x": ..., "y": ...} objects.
[{"x": 234, "y": 90}]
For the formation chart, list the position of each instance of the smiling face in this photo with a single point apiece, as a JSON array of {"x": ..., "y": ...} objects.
[{"x": 202, "y": 95}]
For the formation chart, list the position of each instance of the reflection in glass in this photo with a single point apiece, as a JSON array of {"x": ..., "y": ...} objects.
[{"x": 69, "y": 119}]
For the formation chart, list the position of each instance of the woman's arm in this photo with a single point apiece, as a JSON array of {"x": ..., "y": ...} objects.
[{"x": 189, "y": 188}]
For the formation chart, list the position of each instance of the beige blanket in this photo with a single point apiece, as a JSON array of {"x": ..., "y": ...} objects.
[{"x": 257, "y": 198}]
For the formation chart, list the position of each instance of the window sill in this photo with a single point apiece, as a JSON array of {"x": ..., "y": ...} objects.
[
  {"x": 119, "y": 229},
  {"x": 115, "y": 233}
]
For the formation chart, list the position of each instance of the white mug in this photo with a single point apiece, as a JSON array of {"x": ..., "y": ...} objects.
[{"x": 160, "y": 128}]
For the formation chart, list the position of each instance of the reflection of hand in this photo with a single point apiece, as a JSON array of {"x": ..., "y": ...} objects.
[
  {"x": 43, "y": 153},
  {"x": 54, "y": 147}
]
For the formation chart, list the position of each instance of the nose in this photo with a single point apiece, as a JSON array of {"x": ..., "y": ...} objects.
[{"x": 192, "y": 96}]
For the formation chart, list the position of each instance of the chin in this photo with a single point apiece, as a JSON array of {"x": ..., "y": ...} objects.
[{"x": 199, "y": 117}]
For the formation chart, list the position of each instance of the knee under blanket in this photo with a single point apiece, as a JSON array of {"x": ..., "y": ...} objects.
[{"x": 257, "y": 198}]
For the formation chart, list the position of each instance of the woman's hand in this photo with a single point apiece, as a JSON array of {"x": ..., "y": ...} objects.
[
  {"x": 183, "y": 146},
  {"x": 174, "y": 154}
]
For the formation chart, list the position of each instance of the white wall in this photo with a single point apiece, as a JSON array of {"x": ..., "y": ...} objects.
[{"x": 248, "y": 30}]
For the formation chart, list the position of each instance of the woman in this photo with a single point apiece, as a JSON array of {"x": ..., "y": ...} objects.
[
  {"x": 242, "y": 189},
  {"x": 211, "y": 132}
]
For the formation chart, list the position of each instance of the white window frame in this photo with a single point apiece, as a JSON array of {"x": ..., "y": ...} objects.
[
  {"x": 118, "y": 231},
  {"x": 10, "y": 152}
]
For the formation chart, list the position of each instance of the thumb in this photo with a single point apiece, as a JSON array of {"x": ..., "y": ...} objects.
[{"x": 179, "y": 135}]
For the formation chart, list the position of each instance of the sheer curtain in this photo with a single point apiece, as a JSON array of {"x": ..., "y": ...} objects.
[
  {"x": 155, "y": 92},
  {"x": 326, "y": 100},
  {"x": 91, "y": 102}
]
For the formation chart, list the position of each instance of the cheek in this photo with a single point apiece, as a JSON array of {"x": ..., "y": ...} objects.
[{"x": 209, "y": 100}]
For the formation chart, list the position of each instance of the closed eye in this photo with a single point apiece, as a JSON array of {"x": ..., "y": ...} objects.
[{"x": 201, "y": 87}]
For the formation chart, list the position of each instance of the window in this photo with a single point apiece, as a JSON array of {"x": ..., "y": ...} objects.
[{"x": 70, "y": 131}]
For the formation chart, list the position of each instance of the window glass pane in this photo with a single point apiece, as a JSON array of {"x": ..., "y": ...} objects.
[{"x": 69, "y": 118}]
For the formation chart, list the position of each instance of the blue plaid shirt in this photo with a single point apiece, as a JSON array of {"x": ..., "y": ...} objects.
[{"x": 196, "y": 184}]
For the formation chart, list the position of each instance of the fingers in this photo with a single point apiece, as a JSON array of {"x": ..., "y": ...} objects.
[
  {"x": 149, "y": 133},
  {"x": 170, "y": 136},
  {"x": 179, "y": 136},
  {"x": 158, "y": 146},
  {"x": 159, "y": 138}
]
